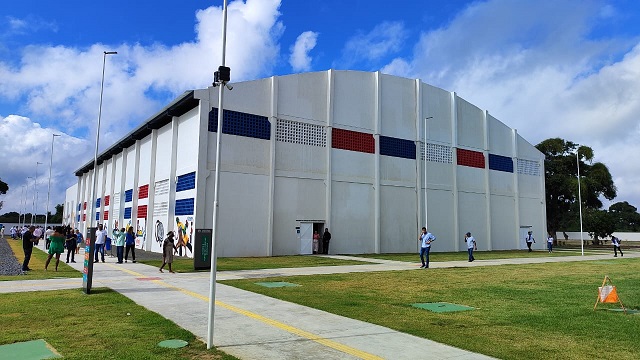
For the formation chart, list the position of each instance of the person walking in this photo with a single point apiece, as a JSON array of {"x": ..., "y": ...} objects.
[
  {"x": 550, "y": 242},
  {"x": 101, "y": 239},
  {"x": 471, "y": 245},
  {"x": 27, "y": 245},
  {"x": 70, "y": 243},
  {"x": 119, "y": 237},
  {"x": 79, "y": 241},
  {"x": 130, "y": 244},
  {"x": 616, "y": 246},
  {"x": 316, "y": 242},
  {"x": 168, "y": 248},
  {"x": 529, "y": 239},
  {"x": 56, "y": 246},
  {"x": 326, "y": 237},
  {"x": 47, "y": 234},
  {"x": 427, "y": 238}
]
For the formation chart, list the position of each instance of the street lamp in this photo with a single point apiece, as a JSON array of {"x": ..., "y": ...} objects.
[
  {"x": 580, "y": 200},
  {"x": 425, "y": 169},
  {"x": 221, "y": 78},
  {"x": 89, "y": 265},
  {"x": 35, "y": 204},
  {"x": 46, "y": 214},
  {"x": 23, "y": 206}
]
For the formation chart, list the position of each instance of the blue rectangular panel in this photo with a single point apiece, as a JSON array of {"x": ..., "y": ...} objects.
[
  {"x": 127, "y": 213},
  {"x": 98, "y": 202},
  {"x": 401, "y": 148},
  {"x": 78, "y": 207},
  {"x": 128, "y": 195},
  {"x": 97, "y": 215},
  {"x": 78, "y": 218},
  {"x": 186, "y": 182},
  {"x": 500, "y": 163},
  {"x": 184, "y": 206},
  {"x": 241, "y": 124}
]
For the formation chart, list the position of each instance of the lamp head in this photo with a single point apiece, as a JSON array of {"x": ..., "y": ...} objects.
[{"x": 110, "y": 52}]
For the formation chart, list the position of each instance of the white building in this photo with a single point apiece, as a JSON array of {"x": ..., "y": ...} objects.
[{"x": 337, "y": 149}]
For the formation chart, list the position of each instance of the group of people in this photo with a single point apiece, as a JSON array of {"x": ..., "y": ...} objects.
[
  {"x": 321, "y": 243},
  {"x": 56, "y": 240}
]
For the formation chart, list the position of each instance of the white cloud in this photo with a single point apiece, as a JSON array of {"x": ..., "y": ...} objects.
[
  {"x": 533, "y": 65},
  {"x": 385, "y": 39},
  {"x": 299, "y": 58},
  {"x": 60, "y": 85}
]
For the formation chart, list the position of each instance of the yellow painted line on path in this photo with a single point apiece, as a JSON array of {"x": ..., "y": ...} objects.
[{"x": 302, "y": 333}]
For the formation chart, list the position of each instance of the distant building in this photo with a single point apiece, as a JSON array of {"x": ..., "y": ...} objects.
[{"x": 337, "y": 149}]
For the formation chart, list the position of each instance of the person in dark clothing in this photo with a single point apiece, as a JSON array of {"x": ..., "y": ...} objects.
[
  {"x": 71, "y": 243},
  {"x": 27, "y": 245},
  {"x": 326, "y": 237}
]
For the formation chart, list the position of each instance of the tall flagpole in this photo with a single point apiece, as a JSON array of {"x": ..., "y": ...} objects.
[
  {"x": 221, "y": 77},
  {"x": 580, "y": 201}
]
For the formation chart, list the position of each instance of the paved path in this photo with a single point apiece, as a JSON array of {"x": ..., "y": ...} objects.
[{"x": 253, "y": 326}]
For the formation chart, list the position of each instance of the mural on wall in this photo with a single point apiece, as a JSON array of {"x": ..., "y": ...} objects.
[
  {"x": 141, "y": 233},
  {"x": 184, "y": 234},
  {"x": 158, "y": 236}
]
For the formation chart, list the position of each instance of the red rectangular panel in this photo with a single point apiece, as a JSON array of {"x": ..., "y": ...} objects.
[
  {"x": 84, "y": 216},
  {"x": 470, "y": 158},
  {"x": 106, "y": 200},
  {"x": 143, "y": 192},
  {"x": 84, "y": 207},
  {"x": 142, "y": 211},
  {"x": 353, "y": 141},
  {"x": 105, "y": 215}
]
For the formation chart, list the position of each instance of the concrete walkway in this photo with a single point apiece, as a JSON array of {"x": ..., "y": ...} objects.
[{"x": 253, "y": 326}]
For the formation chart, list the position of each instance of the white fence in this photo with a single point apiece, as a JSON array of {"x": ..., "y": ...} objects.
[{"x": 624, "y": 236}]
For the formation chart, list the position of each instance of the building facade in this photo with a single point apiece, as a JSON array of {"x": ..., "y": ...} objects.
[{"x": 370, "y": 156}]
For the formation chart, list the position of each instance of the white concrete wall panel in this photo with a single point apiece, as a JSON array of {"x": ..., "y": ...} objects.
[
  {"x": 500, "y": 135},
  {"x": 470, "y": 179},
  {"x": 353, "y": 97},
  {"x": 436, "y": 103},
  {"x": 501, "y": 183},
  {"x": 242, "y": 154},
  {"x": 187, "y": 151},
  {"x": 302, "y": 96},
  {"x": 398, "y": 110},
  {"x": 398, "y": 171},
  {"x": 398, "y": 220},
  {"x": 253, "y": 97},
  {"x": 472, "y": 217},
  {"x": 352, "y": 166},
  {"x": 503, "y": 222},
  {"x": 440, "y": 215},
  {"x": 470, "y": 125},
  {"x": 295, "y": 199},
  {"x": 439, "y": 175},
  {"x": 527, "y": 151},
  {"x": 145, "y": 161},
  {"x": 163, "y": 153},
  {"x": 352, "y": 218},
  {"x": 243, "y": 215},
  {"x": 109, "y": 169},
  {"x": 300, "y": 160},
  {"x": 530, "y": 215},
  {"x": 529, "y": 186}
]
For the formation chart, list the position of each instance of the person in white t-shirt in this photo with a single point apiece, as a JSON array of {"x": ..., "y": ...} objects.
[
  {"x": 101, "y": 238},
  {"x": 47, "y": 233},
  {"x": 471, "y": 245},
  {"x": 550, "y": 242},
  {"x": 616, "y": 246}
]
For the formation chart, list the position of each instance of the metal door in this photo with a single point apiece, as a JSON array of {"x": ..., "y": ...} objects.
[{"x": 306, "y": 238}]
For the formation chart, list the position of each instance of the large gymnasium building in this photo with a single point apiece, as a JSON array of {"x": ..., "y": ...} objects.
[{"x": 370, "y": 156}]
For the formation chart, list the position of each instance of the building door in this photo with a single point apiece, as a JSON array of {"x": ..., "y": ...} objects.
[
  {"x": 523, "y": 233},
  {"x": 306, "y": 238}
]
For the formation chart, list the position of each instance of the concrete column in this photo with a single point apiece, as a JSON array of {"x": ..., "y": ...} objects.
[
  {"x": 123, "y": 188},
  {"x": 454, "y": 146},
  {"x": 516, "y": 189},
  {"x": 487, "y": 188},
  {"x": 273, "y": 118},
  {"x": 202, "y": 173},
  {"x": 172, "y": 175},
  {"x": 136, "y": 190},
  {"x": 152, "y": 190}
]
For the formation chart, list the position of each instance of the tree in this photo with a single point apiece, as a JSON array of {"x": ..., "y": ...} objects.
[
  {"x": 57, "y": 218},
  {"x": 600, "y": 223},
  {"x": 561, "y": 184},
  {"x": 626, "y": 216},
  {"x": 3, "y": 190}
]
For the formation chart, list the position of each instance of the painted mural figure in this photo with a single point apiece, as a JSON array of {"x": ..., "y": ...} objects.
[
  {"x": 159, "y": 232},
  {"x": 183, "y": 238}
]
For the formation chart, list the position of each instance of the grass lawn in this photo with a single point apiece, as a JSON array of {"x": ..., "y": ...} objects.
[
  {"x": 537, "y": 311},
  {"x": 36, "y": 263},
  {"x": 253, "y": 263},
  {"x": 94, "y": 326},
  {"x": 481, "y": 255}
]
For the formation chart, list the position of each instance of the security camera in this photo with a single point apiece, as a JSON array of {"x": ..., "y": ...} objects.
[{"x": 229, "y": 87}]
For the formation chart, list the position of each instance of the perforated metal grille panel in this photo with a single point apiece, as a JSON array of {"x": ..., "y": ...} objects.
[
  {"x": 301, "y": 133},
  {"x": 128, "y": 195},
  {"x": 437, "y": 153},
  {"x": 98, "y": 202},
  {"x": 106, "y": 200},
  {"x": 500, "y": 163},
  {"x": 142, "y": 211},
  {"x": 470, "y": 158},
  {"x": 390, "y": 146},
  {"x": 127, "y": 213},
  {"x": 106, "y": 215},
  {"x": 352, "y": 140},
  {"x": 528, "y": 167}
]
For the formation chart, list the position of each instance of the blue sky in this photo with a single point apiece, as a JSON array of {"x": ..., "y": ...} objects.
[{"x": 548, "y": 68}]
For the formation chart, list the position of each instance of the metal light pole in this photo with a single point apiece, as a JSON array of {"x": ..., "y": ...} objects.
[
  {"x": 92, "y": 201},
  {"x": 46, "y": 214},
  {"x": 221, "y": 77},
  {"x": 22, "y": 207},
  {"x": 580, "y": 201},
  {"x": 425, "y": 170},
  {"x": 33, "y": 203}
]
